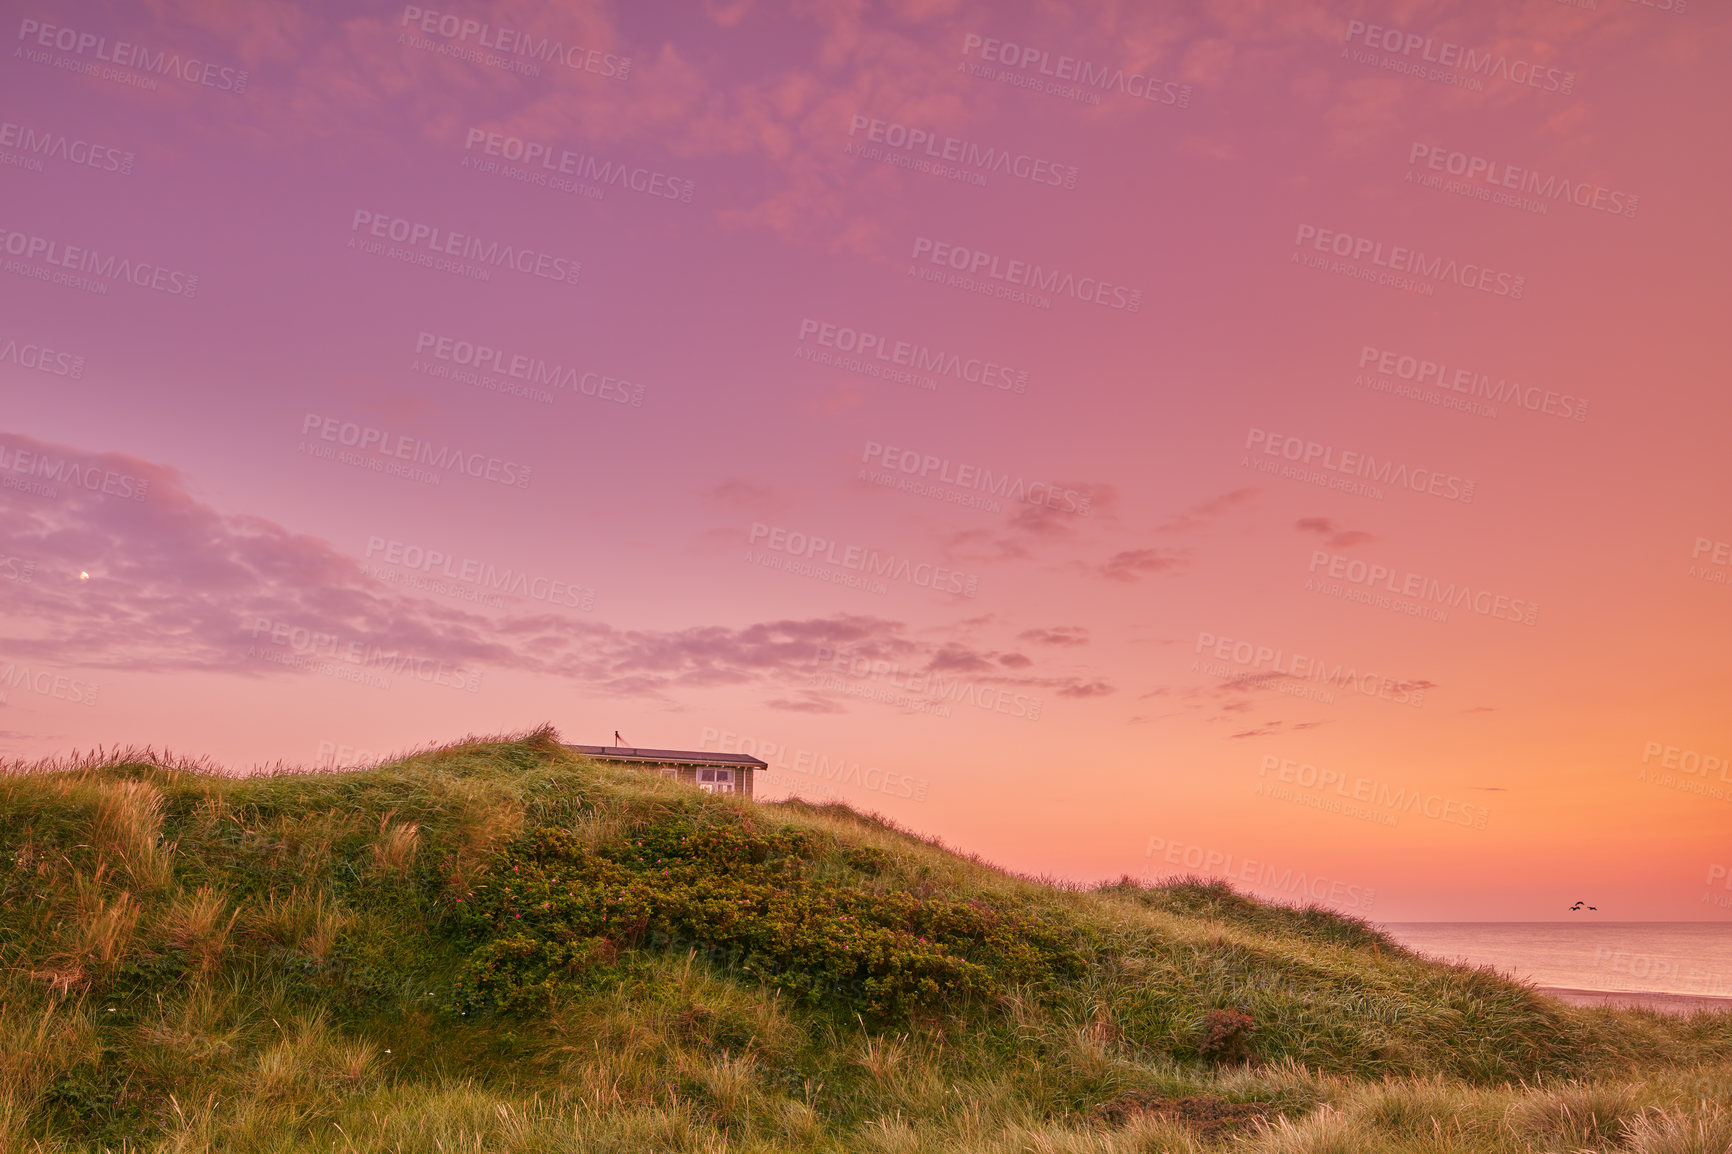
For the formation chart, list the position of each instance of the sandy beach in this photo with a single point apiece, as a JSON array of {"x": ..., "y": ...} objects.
[{"x": 1639, "y": 1000}]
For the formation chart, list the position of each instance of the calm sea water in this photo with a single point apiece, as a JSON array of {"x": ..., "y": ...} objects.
[{"x": 1670, "y": 957}]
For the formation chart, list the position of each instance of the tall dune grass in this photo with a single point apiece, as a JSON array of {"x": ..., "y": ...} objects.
[{"x": 199, "y": 962}]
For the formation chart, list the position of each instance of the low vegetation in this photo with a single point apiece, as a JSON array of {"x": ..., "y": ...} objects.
[{"x": 499, "y": 946}]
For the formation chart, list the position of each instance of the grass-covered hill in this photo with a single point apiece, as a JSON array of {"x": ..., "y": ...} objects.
[{"x": 498, "y": 946}]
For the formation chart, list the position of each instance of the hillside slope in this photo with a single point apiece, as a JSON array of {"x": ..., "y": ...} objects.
[{"x": 500, "y": 946}]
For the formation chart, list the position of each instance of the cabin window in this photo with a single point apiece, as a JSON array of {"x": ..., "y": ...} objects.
[
  {"x": 716, "y": 780},
  {"x": 670, "y": 771}
]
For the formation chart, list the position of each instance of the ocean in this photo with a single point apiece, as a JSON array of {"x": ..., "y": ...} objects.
[{"x": 1663, "y": 957}]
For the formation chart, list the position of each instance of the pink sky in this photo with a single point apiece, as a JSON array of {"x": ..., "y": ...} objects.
[{"x": 1463, "y": 268}]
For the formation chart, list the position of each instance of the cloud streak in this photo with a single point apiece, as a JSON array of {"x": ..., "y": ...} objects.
[{"x": 176, "y": 585}]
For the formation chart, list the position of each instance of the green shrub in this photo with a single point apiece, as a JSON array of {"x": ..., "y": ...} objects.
[{"x": 553, "y": 909}]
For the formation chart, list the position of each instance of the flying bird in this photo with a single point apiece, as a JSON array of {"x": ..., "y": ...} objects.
[{"x": 1582, "y": 905}]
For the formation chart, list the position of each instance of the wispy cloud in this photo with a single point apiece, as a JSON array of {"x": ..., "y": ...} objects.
[
  {"x": 175, "y": 584},
  {"x": 1333, "y": 535}
]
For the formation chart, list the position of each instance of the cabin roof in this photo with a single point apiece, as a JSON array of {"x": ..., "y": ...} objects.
[{"x": 669, "y": 756}]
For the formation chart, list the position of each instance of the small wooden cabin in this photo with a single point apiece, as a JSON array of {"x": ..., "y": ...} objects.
[{"x": 710, "y": 772}]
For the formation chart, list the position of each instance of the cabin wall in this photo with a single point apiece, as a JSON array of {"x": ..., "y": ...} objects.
[{"x": 689, "y": 773}]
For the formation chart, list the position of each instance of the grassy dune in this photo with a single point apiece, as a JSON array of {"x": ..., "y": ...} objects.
[{"x": 498, "y": 946}]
